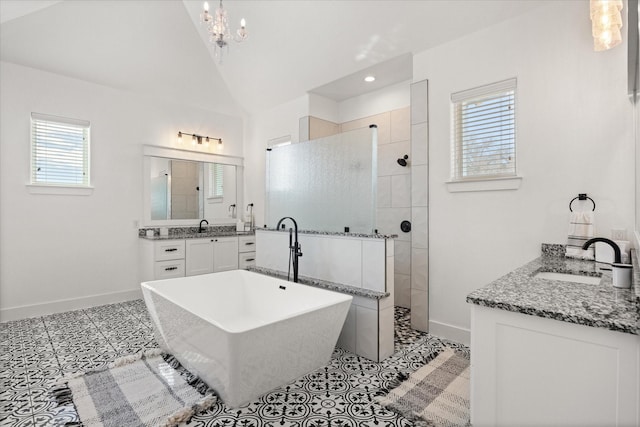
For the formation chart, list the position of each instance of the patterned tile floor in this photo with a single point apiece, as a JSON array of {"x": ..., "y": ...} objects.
[{"x": 35, "y": 352}]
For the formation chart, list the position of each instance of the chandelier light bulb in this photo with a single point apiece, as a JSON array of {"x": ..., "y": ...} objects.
[
  {"x": 243, "y": 23},
  {"x": 193, "y": 140},
  {"x": 205, "y": 17},
  {"x": 179, "y": 137},
  {"x": 606, "y": 21}
]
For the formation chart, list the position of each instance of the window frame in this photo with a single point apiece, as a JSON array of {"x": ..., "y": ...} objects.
[
  {"x": 507, "y": 180},
  {"x": 212, "y": 176},
  {"x": 59, "y": 187}
]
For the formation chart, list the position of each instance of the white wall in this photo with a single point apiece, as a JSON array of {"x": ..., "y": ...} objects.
[
  {"x": 56, "y": 247},
  {"x": 323, "y": 108},
  {"x": 574, "y": 135},
  {"x": 388, "y": 98}
]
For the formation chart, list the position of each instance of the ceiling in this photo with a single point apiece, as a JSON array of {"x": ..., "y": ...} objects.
[{"x": 160, "y": 49}]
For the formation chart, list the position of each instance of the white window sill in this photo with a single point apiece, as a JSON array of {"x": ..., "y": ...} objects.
[
  {"x": 490, "y": 184},
  {"x": 59, "y": 190}
]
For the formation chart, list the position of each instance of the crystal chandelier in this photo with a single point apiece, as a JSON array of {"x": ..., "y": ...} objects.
[
  {"x": 606, "y": 21},
  {"x": 219, "y": 31}
]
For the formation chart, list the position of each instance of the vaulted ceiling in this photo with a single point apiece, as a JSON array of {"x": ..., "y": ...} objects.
[{"x": 159, "y": 48}]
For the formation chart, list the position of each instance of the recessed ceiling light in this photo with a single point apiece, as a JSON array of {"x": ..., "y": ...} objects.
[{"x": 369, "y": 79}]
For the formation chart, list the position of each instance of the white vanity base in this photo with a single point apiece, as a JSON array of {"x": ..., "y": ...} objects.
[{"x": 528, "y": 370}]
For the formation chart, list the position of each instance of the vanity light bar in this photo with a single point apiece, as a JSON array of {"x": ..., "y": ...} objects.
[{"x": 197, "y": 139}]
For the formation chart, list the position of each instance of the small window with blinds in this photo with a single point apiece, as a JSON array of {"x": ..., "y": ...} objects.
[
  {"x": 216, "y": 181},
  {"x": 59, "y": 151},
  {"x": 484, "y": 132}
]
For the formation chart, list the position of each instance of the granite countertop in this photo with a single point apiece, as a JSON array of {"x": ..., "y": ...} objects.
[
  {"x": 337, "y": 287},
  {"x": 196, "y": 235},
  {"x": 335, "y": 233},
  {"x": 600, "y": 306},
  {"x": 191, "y": 232}
]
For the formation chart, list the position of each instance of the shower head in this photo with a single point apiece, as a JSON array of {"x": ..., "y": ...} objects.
[{"x": 403, "y": 161}]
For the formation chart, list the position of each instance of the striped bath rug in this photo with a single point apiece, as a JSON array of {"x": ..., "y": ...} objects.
[
  {"x": 137, "y": 390},
  {"x": 436, "y": 394}
]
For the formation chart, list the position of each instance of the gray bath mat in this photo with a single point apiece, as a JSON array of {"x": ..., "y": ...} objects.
[
  {"x": 137, "y": 390},
  {"x": 436, "y": 394}
]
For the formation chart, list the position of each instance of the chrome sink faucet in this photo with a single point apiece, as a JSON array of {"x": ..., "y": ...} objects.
[
  {"x": 294, "y": 247},
  {"x": 200, "y": 227}
]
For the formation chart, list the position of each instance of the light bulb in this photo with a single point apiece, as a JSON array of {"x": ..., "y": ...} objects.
[
  {"x": 179, "y": 137},
  {"x": 206, "y": 6},
  {"x": 193, "y": 140},
  {"x": 369, "y": 79},
  {"x": 243, "y": 23}
]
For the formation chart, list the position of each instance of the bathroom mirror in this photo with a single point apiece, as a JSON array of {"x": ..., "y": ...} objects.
[{"x": 182, "y": 187}]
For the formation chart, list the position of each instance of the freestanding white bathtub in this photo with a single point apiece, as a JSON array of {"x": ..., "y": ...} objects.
[{"x": 245, "y": 333}]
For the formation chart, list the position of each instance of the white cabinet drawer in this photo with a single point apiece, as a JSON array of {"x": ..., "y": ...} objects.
[
  {"x": 247, "y": 244},
  {"x": 169, "y": 249},
  {"x": 169, "y": 269},
  {"x": 246, "y": 259}
]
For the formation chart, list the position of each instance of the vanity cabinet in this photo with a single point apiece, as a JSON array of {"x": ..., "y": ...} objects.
[
  {"x": 246, "y": 251},
  {"x": 167, "y": 259},
  {"x": 539, "y": 371},
  {"x": 211, "y": 255},
  {"x": 163, "y": 259}
]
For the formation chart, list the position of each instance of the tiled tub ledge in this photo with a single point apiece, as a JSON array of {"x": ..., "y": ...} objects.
[
  {"x": 336, "y": 233},
  {"x": 337, "y": 287},
  {"x": 599, "y": 306},
  {"x": 368, "y": 328}
]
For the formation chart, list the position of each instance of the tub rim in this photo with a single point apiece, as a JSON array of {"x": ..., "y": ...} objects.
[{"x": 345, "y": 298}]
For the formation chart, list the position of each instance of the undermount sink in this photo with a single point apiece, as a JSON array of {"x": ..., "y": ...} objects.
[{"x": 563, "y": 277}]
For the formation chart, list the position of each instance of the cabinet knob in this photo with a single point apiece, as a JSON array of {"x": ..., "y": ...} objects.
[
  {"x": 250, "y": 259},
  {"x": 171, "y": 250},
  {"x": 170, "y": 268},
  {"x": 249, "y": 243}
]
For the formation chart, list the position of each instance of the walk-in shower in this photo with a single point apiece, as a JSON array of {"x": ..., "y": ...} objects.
[{"x": 327, "y": 184}]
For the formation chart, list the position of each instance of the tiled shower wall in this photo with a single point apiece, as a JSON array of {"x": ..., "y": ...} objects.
[
  {"x": 420, "y": 206},
  {"x": 394, "y": 189}
]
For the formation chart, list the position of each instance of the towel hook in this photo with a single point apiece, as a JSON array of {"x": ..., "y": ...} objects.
[{"x": 582, "y": 196}]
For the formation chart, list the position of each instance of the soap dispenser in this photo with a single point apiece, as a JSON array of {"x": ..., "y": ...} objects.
[{"x": 622, "y": 275}]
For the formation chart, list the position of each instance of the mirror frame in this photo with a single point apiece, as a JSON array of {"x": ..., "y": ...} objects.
[{"x": 194, "y": 156}]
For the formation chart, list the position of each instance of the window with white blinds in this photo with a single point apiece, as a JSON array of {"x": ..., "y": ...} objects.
[
  {"x": 484, "y": 132},
  {"x": 216, "y": 181},
  {"x": 59, "y": 151}
]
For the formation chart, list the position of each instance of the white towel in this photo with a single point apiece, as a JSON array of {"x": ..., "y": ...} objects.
[{"x": 581, "y": 229}]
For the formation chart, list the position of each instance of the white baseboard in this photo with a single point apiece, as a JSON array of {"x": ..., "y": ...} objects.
[
  {"x": 35, "y": 310},
  {"x": 450, "y": 332}
]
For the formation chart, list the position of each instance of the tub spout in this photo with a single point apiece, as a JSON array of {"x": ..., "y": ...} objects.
[{"x": 295, "y": 251}]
